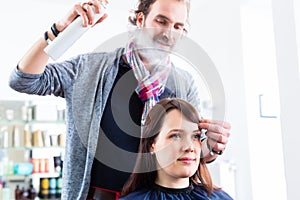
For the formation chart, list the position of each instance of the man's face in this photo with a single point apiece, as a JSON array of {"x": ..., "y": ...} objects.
[{"x": 165, "y": 23}]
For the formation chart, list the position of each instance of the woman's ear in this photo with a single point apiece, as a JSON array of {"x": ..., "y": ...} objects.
[
  {"x": 140, "y": 19},
  {"x": 152, "y": 149}
]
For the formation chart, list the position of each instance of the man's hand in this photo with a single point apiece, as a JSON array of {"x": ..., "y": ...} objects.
[
  {"x": 217, "y": 134},
  {"x": 86, "y": 10}
]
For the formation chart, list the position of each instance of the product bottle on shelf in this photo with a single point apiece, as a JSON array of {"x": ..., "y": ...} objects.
[
  {"x": 4, "y": 136},
  {"x": 52, "y": 188},
  {"x": 57, "y": 164},
  {"x": 8, "y": 166},
  {"x": 24, "y": 193},
  {"x": 18, "y": 193},
  {"x": 16, "y": 136},
  {"x": 27, "y": 138},
  {"x": 31, "y": 191},
  {"x": 1, "y": 188},
  {"x": 5, "y": 191},
  {"x": 58, "y": 187},
  {"x": 44, "y": 188}
]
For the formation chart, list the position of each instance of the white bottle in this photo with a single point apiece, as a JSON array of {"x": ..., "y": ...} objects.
[
  {"x": 70, "y": 35},
  {"x": 16, "y": 137},
  {"x": 6, "y": 193},
  {"x": 4, "y": 135}
]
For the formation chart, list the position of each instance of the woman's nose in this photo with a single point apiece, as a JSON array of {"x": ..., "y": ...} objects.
[{"x": 188, "y": 146}]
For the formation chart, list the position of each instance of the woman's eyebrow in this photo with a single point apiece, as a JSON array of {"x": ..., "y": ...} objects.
[
  {"x": 176, "y": 130},
  {"x": 182, "y": 131}
]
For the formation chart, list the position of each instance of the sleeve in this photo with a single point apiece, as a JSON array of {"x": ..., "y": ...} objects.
[{"x": 56, "y": 79}]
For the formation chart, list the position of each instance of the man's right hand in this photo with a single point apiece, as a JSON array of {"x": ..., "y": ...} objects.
[{"x": 86, "y": 11}]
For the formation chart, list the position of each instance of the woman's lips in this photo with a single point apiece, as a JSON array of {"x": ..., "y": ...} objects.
[{"x": 187, "y": 160}]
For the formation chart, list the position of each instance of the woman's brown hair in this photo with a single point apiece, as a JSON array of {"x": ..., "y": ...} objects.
[{"x": 145, "y": 171}]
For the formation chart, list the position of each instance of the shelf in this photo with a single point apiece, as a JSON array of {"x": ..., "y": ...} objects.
[
  {"x": 45, "y": 175},
  {"x": 32, "y": 122},
  {"x": 38, "y": 123},
  {"x": 11, "y": 122},
  {"x": 15, "y": 177},
  {"x": 31, "y": 148}
]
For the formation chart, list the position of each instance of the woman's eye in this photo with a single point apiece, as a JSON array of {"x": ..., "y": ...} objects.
[
  {"x": 175, "y": 135},
  {"x": 197, "y": 136}
]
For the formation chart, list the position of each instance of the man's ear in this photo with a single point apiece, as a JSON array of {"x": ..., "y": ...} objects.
[{"x": 140, "y": 19}]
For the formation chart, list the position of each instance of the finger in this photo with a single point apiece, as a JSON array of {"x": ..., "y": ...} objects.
[
  {"x": 101, "y": 19},
  {"x": 79, "y": 9},
  {"x": 215, "y": 128},
  {"x": 219, "y": 138},
  {"x": 216, "y": 145},
  {"x": 93, "y": 7},
  {"x": 217, "y": 122},
  {"x": 89, "y": 10},
  {"x": 97, "y": 5}
]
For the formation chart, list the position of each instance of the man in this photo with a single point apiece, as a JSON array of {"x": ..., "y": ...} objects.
[{"x": 103, "y": 127}]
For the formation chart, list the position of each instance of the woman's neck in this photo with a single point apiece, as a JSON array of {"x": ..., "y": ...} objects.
[{"x": 176, "y": 183}]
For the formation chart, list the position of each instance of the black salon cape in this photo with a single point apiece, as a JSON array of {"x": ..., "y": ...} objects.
[{"x": 192, "y": 192}]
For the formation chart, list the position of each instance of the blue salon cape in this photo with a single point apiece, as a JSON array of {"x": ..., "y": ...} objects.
[{"x": 193, "y": 192}]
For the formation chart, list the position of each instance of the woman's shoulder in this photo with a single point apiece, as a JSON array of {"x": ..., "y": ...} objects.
[
  {"x": 140, "y": 194},
  {"x": 217, "y": 194},
  {"x": 195, "y": 191}
]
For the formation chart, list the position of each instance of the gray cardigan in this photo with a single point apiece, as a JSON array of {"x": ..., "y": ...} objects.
[{"x": 85, "y": 82}]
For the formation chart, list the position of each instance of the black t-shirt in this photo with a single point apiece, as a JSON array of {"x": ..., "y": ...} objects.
[{"x": 120, "y": 124}]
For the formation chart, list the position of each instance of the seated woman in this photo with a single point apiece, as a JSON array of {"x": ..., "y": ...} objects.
[{"x": 169, "y": 164}]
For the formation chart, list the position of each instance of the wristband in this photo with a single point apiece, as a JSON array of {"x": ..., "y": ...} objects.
[
  {"x": 212, "y": 151},
  {"x": 54, "y": 30},
  {"x": 46, "y": 37},
  {"x": 217, "y": 152}
]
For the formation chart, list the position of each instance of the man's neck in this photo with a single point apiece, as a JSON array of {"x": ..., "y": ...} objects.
[{"x": 151, "y": 63}]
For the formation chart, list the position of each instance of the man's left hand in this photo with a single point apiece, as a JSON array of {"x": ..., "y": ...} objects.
[{"x": 217, "y": 134}]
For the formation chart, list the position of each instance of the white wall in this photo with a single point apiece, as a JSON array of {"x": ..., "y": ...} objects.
[
  {"x": 288, "y": 69},
  {"x": 261, "y": 79},
  {"x": 216, "y": 27}
]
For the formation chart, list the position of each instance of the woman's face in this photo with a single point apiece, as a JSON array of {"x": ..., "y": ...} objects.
[{"x": 177, "y": 149}]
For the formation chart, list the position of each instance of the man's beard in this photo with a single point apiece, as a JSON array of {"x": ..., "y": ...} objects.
[{"x": 153, "y": 49}]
